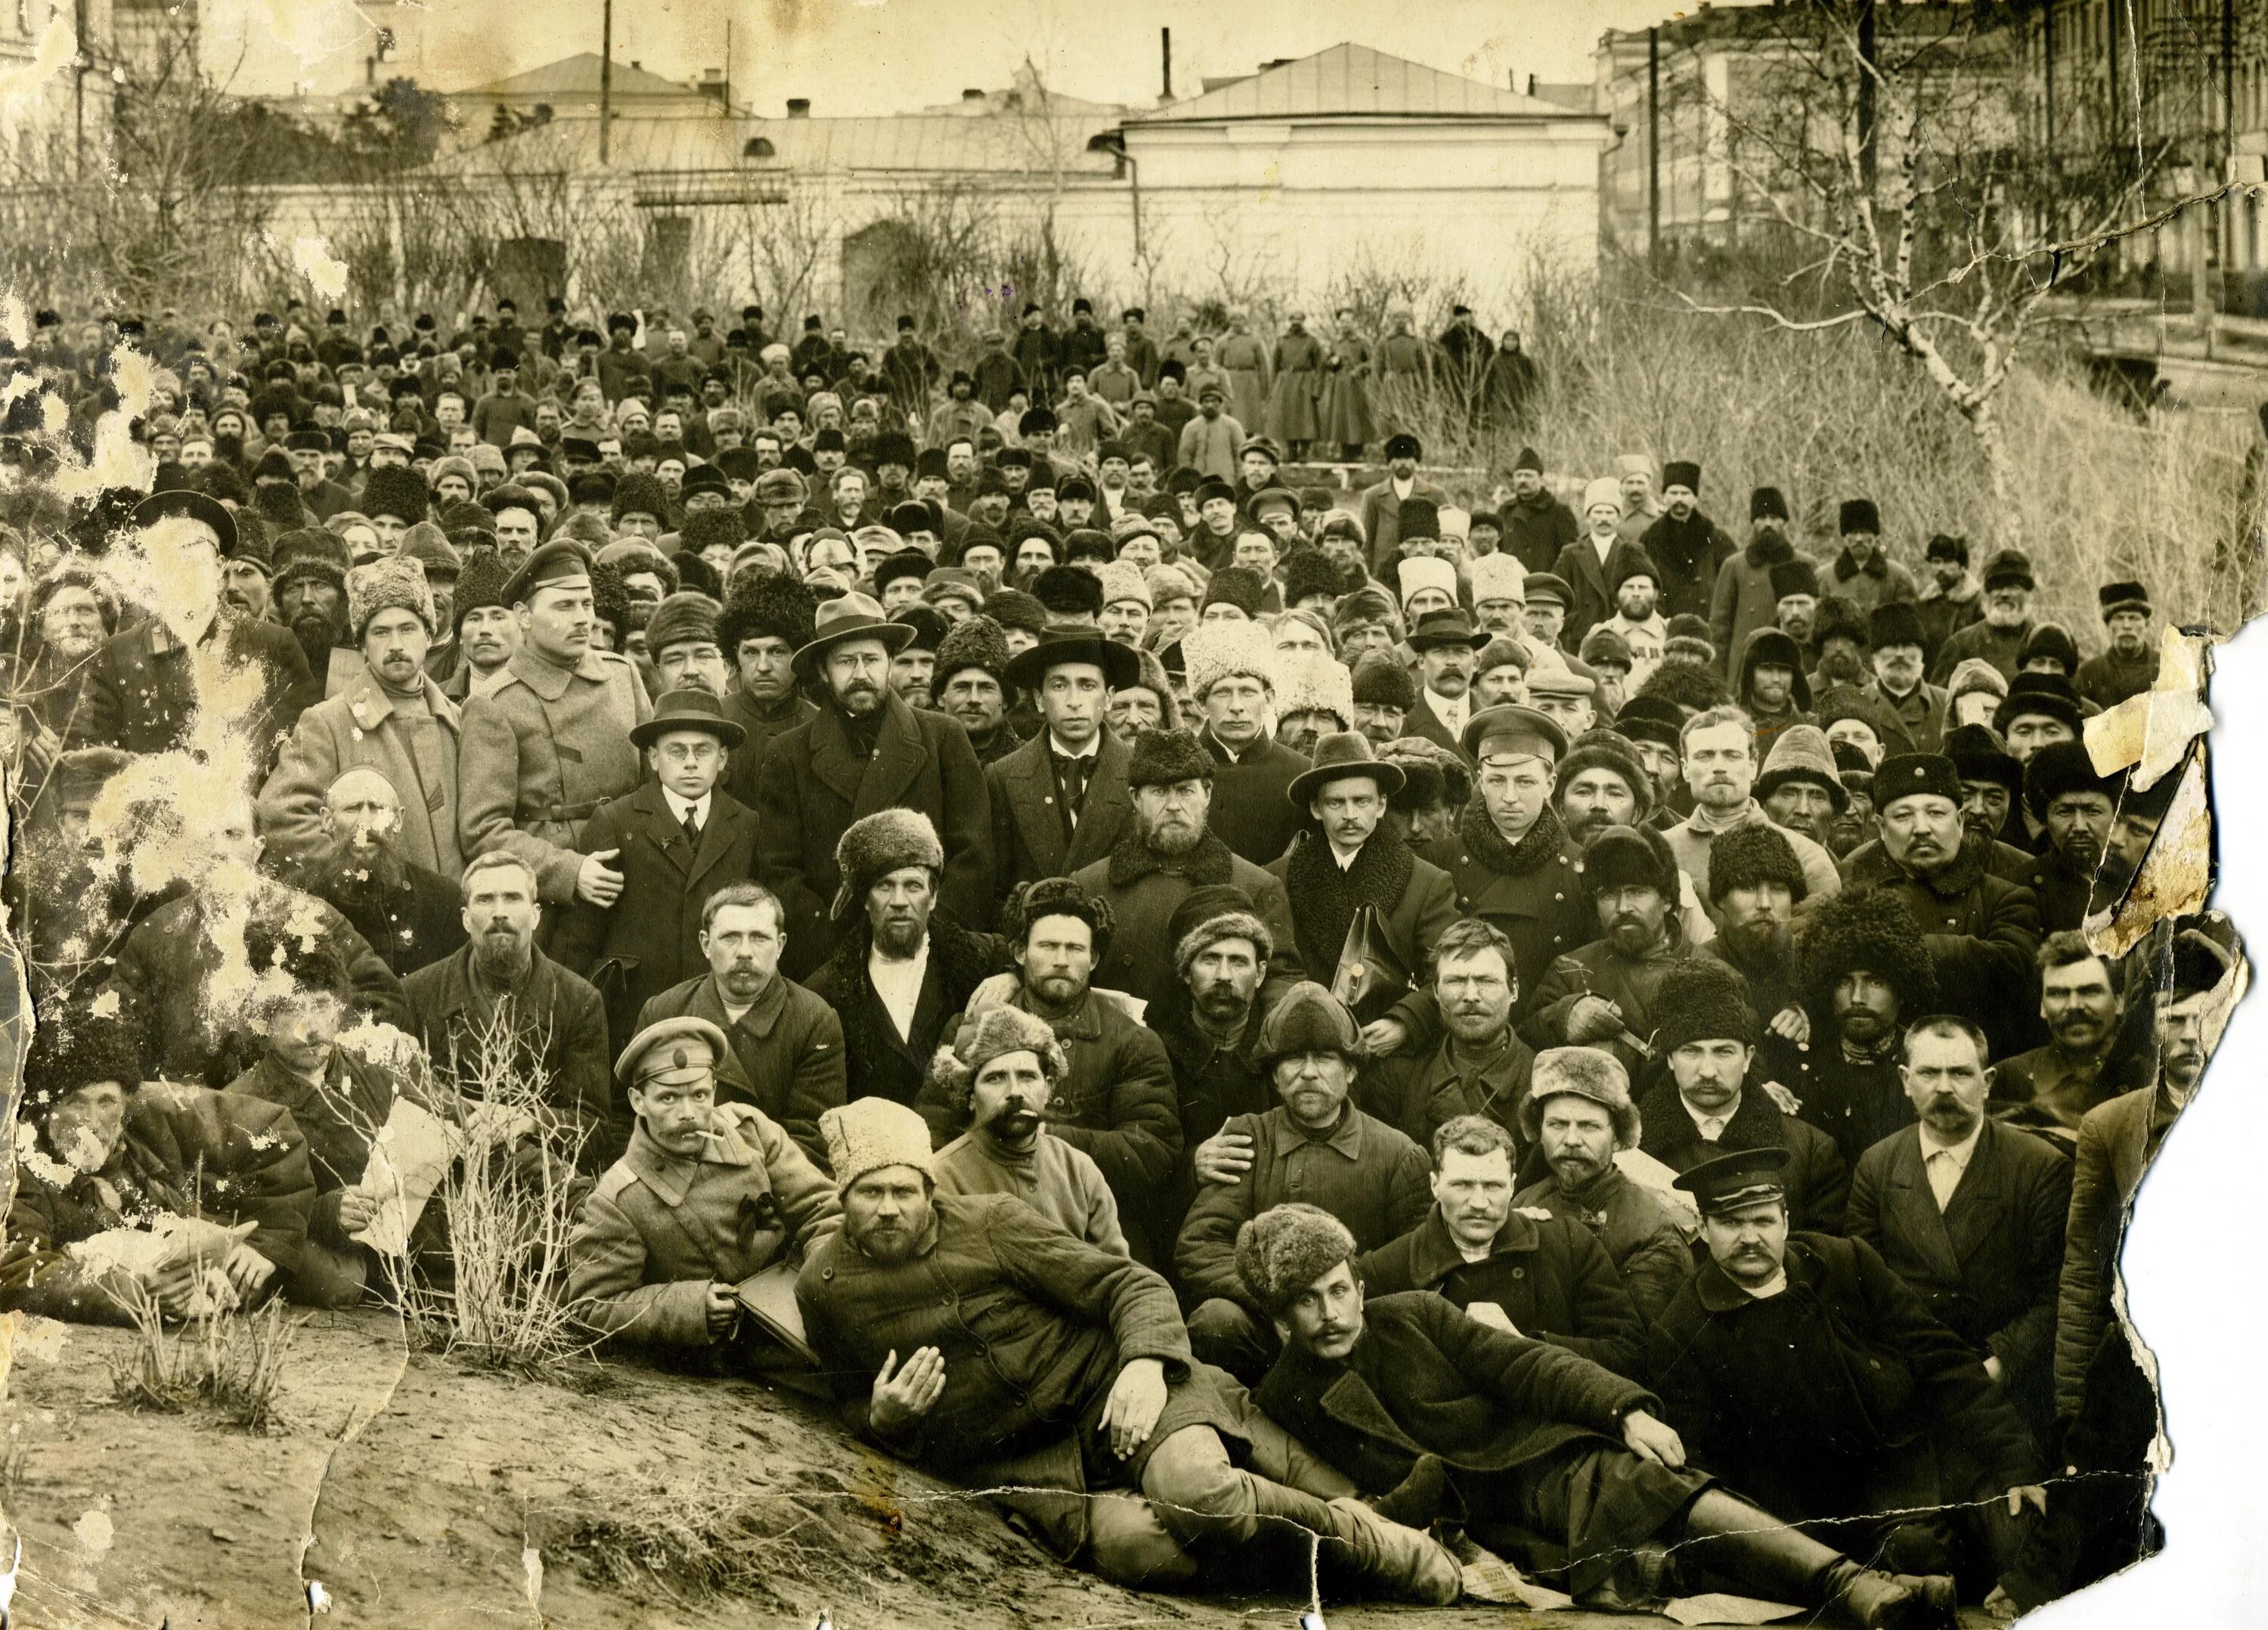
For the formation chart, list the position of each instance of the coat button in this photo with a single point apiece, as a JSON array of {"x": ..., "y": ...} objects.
[{"x": 1519, "y": 1274}]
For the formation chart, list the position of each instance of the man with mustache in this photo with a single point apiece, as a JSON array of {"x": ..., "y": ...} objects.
[
  {"x": 767, "y": 616},
  {"x": 1556, "y": 1463},
  {"x": 2074, "y": 808},
  {"x": 1317, "y": 1144},
  {"x": 2092, "y": 1053},
  {"x": 1717, "y": 748},
  {"x": 389, "y": 716},
  {"x": 1801, "y": 1369},
  {"x": 1999, "y": 1194},
  {"x": 1060, "y": 800},
  {"x": 1114, "y": 1100},
  {"x": 409, "y": 914},
  {"x": 1754, "y": 885},
  {"x": 1865, "y": 974},
  {"x": 1897, "y": 644},
  {"x": 1998, "y": 637},
  {"x": 999, "y": 1078},
  {"x": 865, "y": 750},
  {"x": 310, "y": 596},
  {"x": 2130, "y": 666},
  {"x": 1980, "y": 930},
  {"x": 1210, "y": 1023},
  {"x": 1054, "y": 1373},
  {"x": 1580, "y": 1116},
  {"x": 1231, "y": 675},
  {"x": 970, "y": 684},
  {"x": 1992, "y": 788},
  {"x": 1601, "y": 994},
  {"x": 1541, "y": 1277},
  {"x": 501, "y": 986},
  {"x": 488, "y": 635}
]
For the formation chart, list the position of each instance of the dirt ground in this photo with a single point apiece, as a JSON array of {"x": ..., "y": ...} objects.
[{"x": 409, "y": 1491}]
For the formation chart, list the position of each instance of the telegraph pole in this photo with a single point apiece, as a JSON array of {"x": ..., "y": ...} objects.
[{"x": 606, "y": 77}]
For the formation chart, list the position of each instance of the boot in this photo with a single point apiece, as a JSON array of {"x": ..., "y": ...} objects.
[
  {"x": 1360, "y": 1549},
  {"x": 1751, "y": 1546},
  {"x": 1416, "y": 1500}
]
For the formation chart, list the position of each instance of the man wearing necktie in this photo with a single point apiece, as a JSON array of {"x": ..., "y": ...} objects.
[{"x": 1060, "y": 800}]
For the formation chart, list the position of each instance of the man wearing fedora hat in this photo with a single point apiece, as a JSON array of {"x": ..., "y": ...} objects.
[
  {"x": 541, "y": 751},
  {"x": 677, "y": 837},
  {"x": 150, "y": 684},
  {"x": 1060, "y": 801},
  {"x": 1445, "y": 642},
  {"x": 1341, "y": 861},
  {"x": 865, "y": 750}
]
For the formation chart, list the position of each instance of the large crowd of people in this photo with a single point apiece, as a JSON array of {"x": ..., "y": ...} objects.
[{"x": 1509, "y": 1012}]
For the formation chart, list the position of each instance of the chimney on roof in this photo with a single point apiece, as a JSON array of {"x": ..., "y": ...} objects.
[
  {"x": 1531, "y": 84},
  {"x": 972, "y": 94},
  {"x": 1276, "y": 62},
  {"x": 1165, "y": 54},
  {"x": 712, "y": 86},
  {"x": 636, "y": 63},
  {"x": 798, "y": 107}
]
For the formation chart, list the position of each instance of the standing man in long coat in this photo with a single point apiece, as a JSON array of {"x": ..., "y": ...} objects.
[
  {"x": 866, "y": 751},
  {"x": 1244, "y": 356},
  {"x": 1293, "y": 401},
  {"x": 1347, "y": 422}
]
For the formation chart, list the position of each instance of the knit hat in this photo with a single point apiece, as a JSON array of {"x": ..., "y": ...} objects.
[
  {"x": 684, "y": 618},
  {"x": 870, "y": 849},
  {"x": 1310, "y": 571},
  {"x": 1233, "y": 923},
  {"x": 1287, "y": 1248},
  {"x": 1379, "y": 681},
  {"x": 1424, "y": 572},
  {"x": 2053, "y": 641},
  {"x": 1590, "y": 1072},
  {"x": 1975, "y": 673},
  {"x": 396, "y": 493},
  {"x": 975, "y": 641},
  {"x": 1750, "y": 855},
  {"x": 1602, "y": 490},
  {"x": 1702, "y": 1000},
  {"x": 1123, "y": 581},
  {"x": 1631, "y": 856},
  {"x": 1868, "y": 929},
  {"x": 1801, "y": 753},
  {"x": 1314, "y": 681},
  {"x": 639, "y": 494},
  {"x": 2063, "y": 767},
  {"x": 1162, "y": 758},
  {"x": 1767, "y": 502},
  {"x": 1213, "y": 652},
  {"x": 1499, "y": 576},
  {"x": 1309, "y": 1019},
  {"x": 384, "y": 583},
  {"x": 998, "y": 1031},
  {"x": 759, "y": 605},
  {"x": 1236, "y": 586},
  {"x": 1894, "y": 623},
  {"x": 868, "y": 1134},
  {"x": 2011, "y": 568},
  {"x": 480, "y": 586}
]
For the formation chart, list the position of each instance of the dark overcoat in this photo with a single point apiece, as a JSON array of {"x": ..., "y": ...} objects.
[
  {"x": 878, "y": 1062},
  {"x": 1027, "y": 830},
  {"x": 1532, "y": 892},
  {"x": 1818, "y": 1182},
  {"x": 143, "y": 686}
]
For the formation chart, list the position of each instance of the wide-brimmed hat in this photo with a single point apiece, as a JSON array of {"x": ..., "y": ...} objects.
[
  {"x": 1121, "y": 665},
  {"x": 1450, "y": 626},
  {"x": 850, "y": 617},
  {"x": 1343, "y": 755},
  {"x": 691, "y": 708}
]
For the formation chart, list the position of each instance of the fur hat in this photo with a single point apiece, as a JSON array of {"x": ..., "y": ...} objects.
[
  {"x": 639, "y": 494},
  {"x": 1120, "y": 580},
  {"x": 1631, "y": 856},
  {"x": 1602, "y": 490},
  {"x": 1071, "y": 591},
  {"x": 1603, "y": 646},
  {"x": 1287, "y": 1248},
  {"x": 1590, "y": 1072},
  {"x": 1419, "y": 572},
  {"x": 1013, "y": 608},
  {"x": 480, "y": 585},
  {"x": 74, "y": 1048},
  {"x": 682, "y": 617},
  {"x": 1059, "y": 896},
  {"x": 1307, "y": 1018},
  {"x": 1696, "y": 684},
  {"x": 1859, "y": 515},
  {"x": 884, "y": 841},
  {"x": 975, "y": 641},
  {"x": 459, "y": 466},
  {"x": 1238, "y": 586},
  {"x": 758, "y": 605},
  {"x": 2053, "y": 641},
  {"x": 707, "y": 528},
  {"x": 1839, "y": 703},
  {"x": 389, "y": 581},
  {"x": 1753, "y": 854},
  {"x": 2010, "y": 568},
  {"x": 1231, "y": 924},
  {"x": 1765, "y": 502},
  {"x": 1162, "y": 758},
  {"x": 1838, "y": 619},
  {"x": 1214, "y": 651},
  {"x": 1379, "y": 680},
  {"x": 1795, "y": 577},
  {"x": 1310, "y": 571},
  {"x": 398, "y": 492},
  {"x": 2047, "y": 695},
  {"x": 1894, "y": 623},
  {"x": 998, "y": 1029},
  {"x": 1602, "y": 749},
  {"x": 1769, "y": 647},
  {"x": 867, "y": 1134},
  {"x": 1169, "y": 580},
  {"x": 1702, "y": 1000},
  {"x": 1499, "y": 576},
  {"x": 1151, "y": 676},
  {"x": 1867, "y": 928},
  {"x": 1801, "y": 753},
  {"x": 2063, "y": 767},
  {"x": 1312, "y": 682}
]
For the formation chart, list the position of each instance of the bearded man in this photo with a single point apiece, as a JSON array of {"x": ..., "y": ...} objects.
[
  {"x": 407, "y": 914},
  {"x": 1601, "y": 994},
  {"x": 310, "y": 597},
  {"x": 2075, "y": 808}
]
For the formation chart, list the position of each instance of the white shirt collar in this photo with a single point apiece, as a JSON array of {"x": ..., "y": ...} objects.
[
  {"x": 1056, "y": 746},
  {"x": 1346, "y": 858},
  {"x": 679, "y": 806},
  {"x": 1402, "y": 488},
  {"x": 1701, "y": 1122},
  {"x": 1961, "y": 1152}
]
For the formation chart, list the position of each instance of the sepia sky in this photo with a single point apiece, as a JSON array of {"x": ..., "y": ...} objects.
[{"x": 878, "y": 56}]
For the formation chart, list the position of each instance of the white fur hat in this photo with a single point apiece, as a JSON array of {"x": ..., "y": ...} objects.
[
  {"x": 1499, "y": 576},
  {"x": 1123, "y": 579},
  {"x": 1213, "y": 651},
  {"x": 1310, "y": 681},
  {"x": 867, "y": 1134},
  {"x": 1426, "y": 571}
]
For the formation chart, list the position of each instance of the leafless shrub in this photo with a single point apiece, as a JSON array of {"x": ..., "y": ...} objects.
[
  {"x": 690, "y": 1545},
  {"x": 230, "y": 1363}
]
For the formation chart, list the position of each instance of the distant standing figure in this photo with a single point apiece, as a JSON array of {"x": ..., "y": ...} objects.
[
  {"x": 1292, "y": 403},
  {"x": 1243, "y": 357},
  {"x": 1347, "y": 420}
]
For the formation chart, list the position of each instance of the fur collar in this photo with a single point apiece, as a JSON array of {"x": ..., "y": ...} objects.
[
  {"x": 1326, "y": 899},
  {"x": 1131, "y": 861},
  {"x": 1847, "y": 567},
  {"x": 1487, "y": 846},
  {"x": 1961, "y": 594}
]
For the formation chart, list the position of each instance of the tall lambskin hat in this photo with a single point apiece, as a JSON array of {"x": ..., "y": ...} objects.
[
  {"x": 870, "y": 849},
  {"x": 401, "y": 493},
  {"x": 1895, "y": 623},
  {"x": 1309, "y": 1019},
  {"x": 1870, "y": 929},
  {"x": 975, "y": 641},
  {"x": 1287, "y": 1248},
  {"x": 1702, "y": 1000},
  {"x": 1313, "y": 681},
  {"x": 1583, "y": 1073},
  {"x": 1751, "y": 855},
  {"x": 1214, "y": 651},
  {"x": 389, "y": 581},
  {"x": 1499, "y": 576},
  {"x": 480, "y": 586},
  {"x": 868, "y": 1134},
  {"x": 1238, "y": 586},
  {"x": 761, "y": 605}
]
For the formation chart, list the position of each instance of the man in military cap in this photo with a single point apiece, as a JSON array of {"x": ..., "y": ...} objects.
[
  {"x": 1799, "y": 1368},
  {"x": 706, "y": 1196},
  {"x": 551, "y": 743}
]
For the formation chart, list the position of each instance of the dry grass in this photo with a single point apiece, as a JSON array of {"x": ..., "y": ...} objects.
[
  {"x": 229, "y": 1363},
  {"x": 690, "y": 1545}
]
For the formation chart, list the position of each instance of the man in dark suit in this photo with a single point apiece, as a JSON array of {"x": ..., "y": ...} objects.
[
  {"x": 1231, "y": 668},
  {"x": 1060, "y": 801},
  {"x": 767, "y": 618},
  {"x": 1709, "y": 1107},
  {"x": 1380, "y": 505},
  {"x": 1970, "y": 1214},
  {"x": 148, "y": 681},
  {"x": 676, "y": 839},
  {"x": 1595, "y": 564},
  {"x": 864, "y": 752},
  {"x": 1445, "y": 642}
]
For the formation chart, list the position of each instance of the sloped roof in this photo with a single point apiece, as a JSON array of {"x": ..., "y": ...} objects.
[
  {"x": 577, "y": 76},
  {"x": 1350, "y": 80}
]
